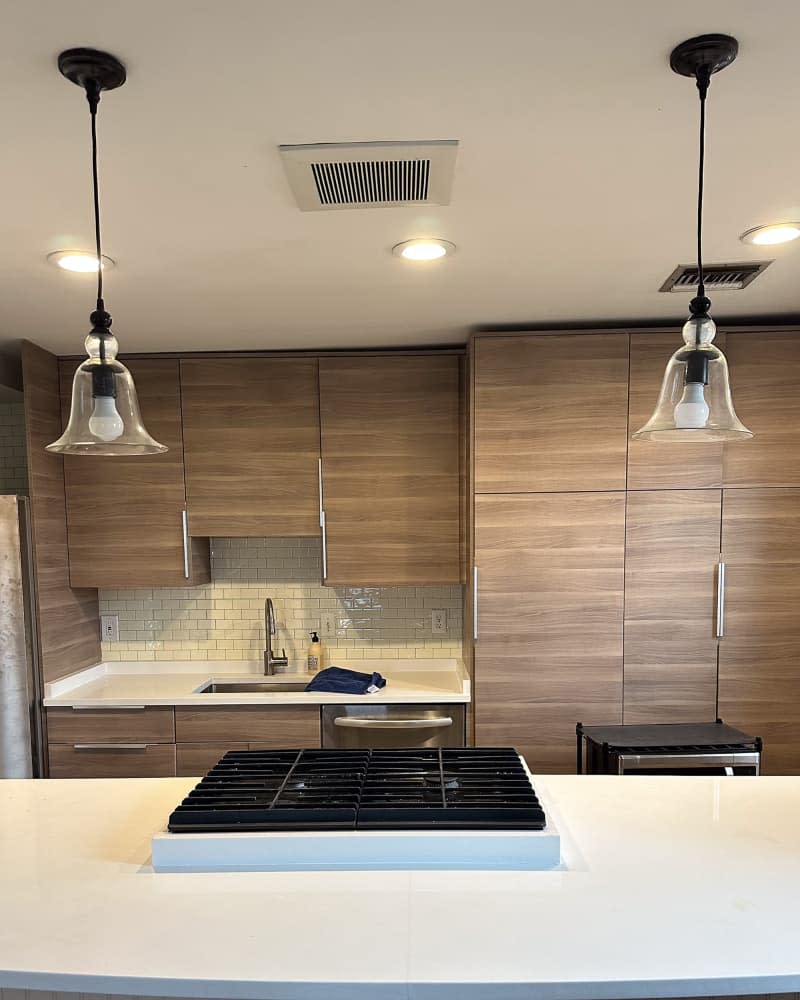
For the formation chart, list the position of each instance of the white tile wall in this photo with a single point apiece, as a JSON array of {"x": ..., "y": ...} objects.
[
  {"x": 13, "y": 463},
  {"x": 225, "y": 619}
]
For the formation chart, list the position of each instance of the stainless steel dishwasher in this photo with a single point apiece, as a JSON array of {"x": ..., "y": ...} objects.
[{"x": 375, "y": 727}]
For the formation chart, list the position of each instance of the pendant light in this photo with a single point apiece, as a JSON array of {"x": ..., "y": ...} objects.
[
  {"x": 695, "y": 401},
  {"x": 104, "y": 417}
]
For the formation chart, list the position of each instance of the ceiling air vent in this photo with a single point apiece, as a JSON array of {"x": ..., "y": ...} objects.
[
  {"x": 326, "y": 176},
  {"x": 718, "y": 277}
]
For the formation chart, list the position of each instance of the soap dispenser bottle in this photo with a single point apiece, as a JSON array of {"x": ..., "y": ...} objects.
[{"x": 314, "y": 654}]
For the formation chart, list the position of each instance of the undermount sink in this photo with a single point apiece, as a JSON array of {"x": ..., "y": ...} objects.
[{"x": 273, "y": 684}]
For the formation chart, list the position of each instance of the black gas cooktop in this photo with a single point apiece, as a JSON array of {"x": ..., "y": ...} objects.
[{"x": 466, "y": 789}]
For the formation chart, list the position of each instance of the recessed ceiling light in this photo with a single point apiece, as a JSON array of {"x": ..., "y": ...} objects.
[
  {"x": 423, "y": 249},
  {"x": 767, "y": 236},
  {"x": 83, "y": 261}
]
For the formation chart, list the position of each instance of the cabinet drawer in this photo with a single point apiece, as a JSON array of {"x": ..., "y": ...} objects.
[
  {"x": 144, "y": 760},
  {"x": 154, "y": 724},
  {"x": 270, "y": 725},
  {"x": 198, "y": 758}
]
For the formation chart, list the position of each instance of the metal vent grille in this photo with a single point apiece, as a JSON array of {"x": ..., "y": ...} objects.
[
  {"x": 366, "y": 182},
  {"x": 370, "y": 174},
  {"x": 717, "y": 277}
]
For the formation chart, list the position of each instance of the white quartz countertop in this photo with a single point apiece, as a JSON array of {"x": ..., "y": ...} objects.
[
  {"x": 179, "y": 683},
  {"x": 671, "y": 886}
]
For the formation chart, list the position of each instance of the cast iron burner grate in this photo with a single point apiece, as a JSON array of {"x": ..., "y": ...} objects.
[{"x": 467, "y": 789}]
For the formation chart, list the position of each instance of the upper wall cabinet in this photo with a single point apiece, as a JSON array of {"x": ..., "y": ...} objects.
[
  {"x": 551, "y": 412},
  {"x": 69, "y": 627},
  {"x": 765, "y": 380},
  {"x": 251, "y": 442},
  {"x": 657, "y": 465},
  {"x": 390, "y": 468},
  {"x": 125, "y": 516}
]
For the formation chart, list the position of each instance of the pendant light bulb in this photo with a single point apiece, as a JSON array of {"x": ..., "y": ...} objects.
[
  {"x": 105, "y": 422},
  {"x": 695, "y": 402},
  {"x": 104, "y": 417},
  {"x": 692, "y": 411}
]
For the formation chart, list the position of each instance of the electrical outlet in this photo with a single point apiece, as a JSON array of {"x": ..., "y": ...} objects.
[
  {"x": 109, "y": 628},
  {"x": 439, "y": 621},
  {"x": 328, "y": 625}
]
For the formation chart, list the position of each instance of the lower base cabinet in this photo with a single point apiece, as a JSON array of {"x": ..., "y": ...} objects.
[
  {"x": 198, "y": 758},
  {"x": 271, "y": 726},
  {"x": 111, "y": 742},
  {"x": 109, "y": 761},
  {"x": 162, "y": 741}
]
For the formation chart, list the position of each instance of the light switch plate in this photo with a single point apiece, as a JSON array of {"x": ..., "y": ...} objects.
[
  {"x": 439, "y": 621},
  {"x": 109, "y": 628},
  {"x": 328, "y": 625}
]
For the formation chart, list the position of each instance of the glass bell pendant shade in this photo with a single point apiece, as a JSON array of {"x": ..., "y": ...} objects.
[
  {"x": 695, "y": 401},
  {"x": 104, "y": 417}
]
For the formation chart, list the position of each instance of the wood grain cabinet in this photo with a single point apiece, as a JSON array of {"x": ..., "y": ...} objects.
[
  {"x": 672, "y": 549},
  {"x": 267, "y": 725},
  {"x": 198, "y": 758},
  {"x": 549, "y": 620},
  {"x": 390, "y": 469},
  {"x": 550, "y": 412},
  {"x": 765, "y": 378},
  {"x": 251, "y": 442},
  {"x": 125, "y": 515},
  {"x": 759, "y": 678},
  {"x": 161, "y": 741},
  {"x": 111, "y": 743}
]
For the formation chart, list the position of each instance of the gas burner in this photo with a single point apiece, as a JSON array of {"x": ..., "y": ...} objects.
[
  {"x": 466, "y": 789},
  {"x": 436, "y": 780}
]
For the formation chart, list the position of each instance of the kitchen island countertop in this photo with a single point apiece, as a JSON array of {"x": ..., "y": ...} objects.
[{"x": 670, "y": 886}]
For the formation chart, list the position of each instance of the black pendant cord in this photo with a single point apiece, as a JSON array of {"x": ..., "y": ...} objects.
[
  {"x": 100, "y": 318},
  {"x": 700, "y": 305},
  {"x": 96, "y": 193},
  {"x": 703, "y": 77}
]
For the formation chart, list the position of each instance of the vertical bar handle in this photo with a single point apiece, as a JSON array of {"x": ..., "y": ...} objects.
[
  {"x": 475, "y": 603},
  {"x": 721, "y": 600},
  {"x": 323, "y": 525},
  {"x": 185, "y": 529},
  {"x": 324, "y": 548}
]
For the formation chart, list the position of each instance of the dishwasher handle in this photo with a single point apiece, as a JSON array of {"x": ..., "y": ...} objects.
[{"x": 349, "y": 722}]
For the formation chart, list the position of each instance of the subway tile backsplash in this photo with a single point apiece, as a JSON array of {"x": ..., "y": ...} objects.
[{"x": 224, "y": 620}]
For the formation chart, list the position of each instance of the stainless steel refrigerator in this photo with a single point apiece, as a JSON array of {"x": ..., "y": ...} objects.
[{"x": 21, "y": 730}]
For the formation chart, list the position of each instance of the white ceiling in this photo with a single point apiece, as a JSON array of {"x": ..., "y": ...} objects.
[{"x": 574, "y": 188}]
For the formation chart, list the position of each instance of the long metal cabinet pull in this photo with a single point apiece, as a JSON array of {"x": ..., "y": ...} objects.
[
  {"x": 474, "y": 602},
  {"x": 106, "y": 707},
  {"x": 324, "y": 528},
  {"x": 721, "y": 600},
  {"x": 185, "y": 527},
  {"x": 111, "y": 746}
]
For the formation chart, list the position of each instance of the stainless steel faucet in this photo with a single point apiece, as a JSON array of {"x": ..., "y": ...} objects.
[{"x": 270, "y": 661}]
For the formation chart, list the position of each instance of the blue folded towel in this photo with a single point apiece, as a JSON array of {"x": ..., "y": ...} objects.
[{"x": 343, "y": 681}]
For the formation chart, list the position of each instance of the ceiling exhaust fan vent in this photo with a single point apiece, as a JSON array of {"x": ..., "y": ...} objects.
[
  {"x": 717, "y": 277},
  {"x": 326, "y": 176}
]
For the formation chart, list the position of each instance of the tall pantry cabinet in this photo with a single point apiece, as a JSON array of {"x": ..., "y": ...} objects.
[
  {"x": 549, "y": 539},
  {"x": 759, "y": 657},
  {"x": 596, "y": 557}
]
